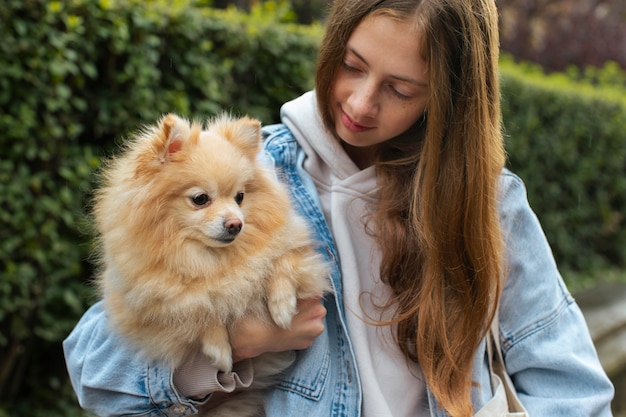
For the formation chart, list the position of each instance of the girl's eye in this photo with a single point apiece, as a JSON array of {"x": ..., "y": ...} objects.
[
  {"x": 400, "y": 95},
  {"x": 349, "y": 67},
  {"x": 239, "y": 198},
  {"x": 201, "y": 200}
]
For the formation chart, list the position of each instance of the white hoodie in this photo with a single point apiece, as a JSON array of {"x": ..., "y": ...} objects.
[{"x": 391, "y": 386}]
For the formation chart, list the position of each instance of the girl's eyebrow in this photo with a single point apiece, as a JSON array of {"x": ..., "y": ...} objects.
[{"x": 397, "y": 77}]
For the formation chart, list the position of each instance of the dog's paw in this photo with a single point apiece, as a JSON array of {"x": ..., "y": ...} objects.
[
  {"x": 282, "y": 310},
  {"x": 221, "y": 356},
  {"x": 216, "y": 346}
]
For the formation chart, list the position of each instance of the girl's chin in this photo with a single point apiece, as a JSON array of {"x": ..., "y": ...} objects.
[{"x": 355, "y": 140}]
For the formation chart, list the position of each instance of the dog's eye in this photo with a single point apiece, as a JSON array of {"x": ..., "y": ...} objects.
[
  {"x": 200, "y": 200},
  {"x": 239, "y": 198}
]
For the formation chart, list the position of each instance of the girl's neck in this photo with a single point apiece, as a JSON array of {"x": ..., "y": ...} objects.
[{"x": 363, "y": 157}]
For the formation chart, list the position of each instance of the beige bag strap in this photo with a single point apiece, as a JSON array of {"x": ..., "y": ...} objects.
[{"x": 516, "y": 408}]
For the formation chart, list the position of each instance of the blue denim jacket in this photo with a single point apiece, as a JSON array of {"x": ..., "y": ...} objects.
[{"x": 546, "y": 344}]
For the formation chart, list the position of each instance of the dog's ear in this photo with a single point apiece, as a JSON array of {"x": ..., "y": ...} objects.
[
  {"x": 245, "y": 133},
  {"x": 175, "y": 133},
  {"x": 248, "y": 136}
]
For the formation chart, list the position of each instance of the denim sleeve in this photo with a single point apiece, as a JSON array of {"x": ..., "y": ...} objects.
[
  {"x": 545, "y": 340},
  {"x": 111, "y": 378}
]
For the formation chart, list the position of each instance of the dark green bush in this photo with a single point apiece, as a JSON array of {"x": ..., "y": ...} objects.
[
  {"x": 76, "y": 76},
  {"x": 568, "y": 142}
]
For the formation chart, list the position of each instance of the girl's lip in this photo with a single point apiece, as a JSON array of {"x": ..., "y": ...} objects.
[{"x": 351, "y": 125}]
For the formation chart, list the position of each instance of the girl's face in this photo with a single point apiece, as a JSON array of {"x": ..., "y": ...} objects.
[{"x": 381, "y": 89}]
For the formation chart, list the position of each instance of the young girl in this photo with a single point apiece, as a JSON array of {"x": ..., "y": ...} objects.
[{"x": 397, "y": 161}]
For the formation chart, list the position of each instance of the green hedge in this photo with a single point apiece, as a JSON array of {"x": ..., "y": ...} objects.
[
  {"x": 77, "y": 75},
  {"x": 567, "y": 140}
]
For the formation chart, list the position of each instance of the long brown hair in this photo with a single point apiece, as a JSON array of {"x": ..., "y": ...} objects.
[{"x": 436, "y": 218}]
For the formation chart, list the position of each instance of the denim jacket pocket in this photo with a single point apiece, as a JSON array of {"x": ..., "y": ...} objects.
[{"x": 307, "y": 376}]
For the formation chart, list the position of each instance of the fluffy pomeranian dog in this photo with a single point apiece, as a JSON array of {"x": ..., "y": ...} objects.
[{"x": 194, "y": 234}]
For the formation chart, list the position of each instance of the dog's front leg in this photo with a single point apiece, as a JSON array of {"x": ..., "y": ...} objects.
[
  {"x": 281, "y": 292},
  {"x": 216, "y": 345}
]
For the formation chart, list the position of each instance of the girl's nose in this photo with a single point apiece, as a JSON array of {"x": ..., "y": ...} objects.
[{"x": 364, "y": 100}]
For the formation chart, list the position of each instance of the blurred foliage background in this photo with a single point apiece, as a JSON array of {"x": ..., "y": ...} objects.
[{"x": 77, "y": 76}]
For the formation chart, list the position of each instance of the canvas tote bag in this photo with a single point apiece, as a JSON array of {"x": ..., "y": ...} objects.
[{"x": 505, "y": 401}]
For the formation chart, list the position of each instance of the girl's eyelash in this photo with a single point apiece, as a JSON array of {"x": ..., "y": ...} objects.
[
  {"x": 348, "y": 67},
  {"x": 398, "y": 94}
]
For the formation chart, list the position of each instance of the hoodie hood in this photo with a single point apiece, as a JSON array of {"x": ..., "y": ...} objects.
[{"x": 324, "y": 153}]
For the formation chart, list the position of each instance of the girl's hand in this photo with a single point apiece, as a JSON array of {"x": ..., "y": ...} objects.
[{"x": 251, "y": 337}]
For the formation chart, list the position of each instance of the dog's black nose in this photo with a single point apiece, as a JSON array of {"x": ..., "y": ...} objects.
[{"x": 233, "y": 226}]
